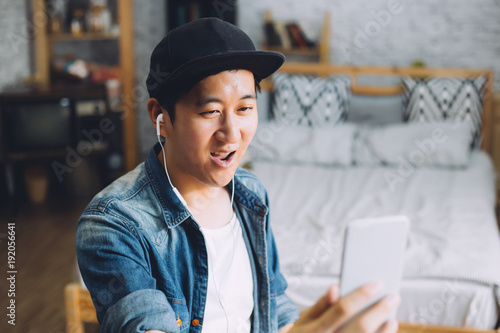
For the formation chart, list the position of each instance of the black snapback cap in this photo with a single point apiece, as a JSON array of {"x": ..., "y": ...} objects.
[{"x": 202, "y": 48}]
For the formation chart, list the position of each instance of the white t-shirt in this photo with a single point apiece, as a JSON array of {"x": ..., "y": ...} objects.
[{"x": 229, "y": 280}]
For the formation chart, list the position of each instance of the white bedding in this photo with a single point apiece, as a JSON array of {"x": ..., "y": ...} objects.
[{"x": 454, "y": 236}]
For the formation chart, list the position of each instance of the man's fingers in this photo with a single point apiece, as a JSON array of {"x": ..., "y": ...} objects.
[
  {"x": 391, "y": 326},
  {"x": 327, "y": 300},
  {"x": 331, "y": 314},
  {"x": 373, "y": 318},
  {"x": 348, "y": 306}
]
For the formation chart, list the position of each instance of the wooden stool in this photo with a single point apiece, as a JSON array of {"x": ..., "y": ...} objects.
[{"x": 79, "y": 308}]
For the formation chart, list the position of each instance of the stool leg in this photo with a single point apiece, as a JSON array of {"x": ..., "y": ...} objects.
[{"x": 74, "y": 322}]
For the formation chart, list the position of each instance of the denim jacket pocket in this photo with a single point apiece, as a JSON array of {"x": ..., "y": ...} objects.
[
  {"x": 181, "y": 312},
  {"x": 157, "y": 233},
  {"x": 273, "y": 286}
]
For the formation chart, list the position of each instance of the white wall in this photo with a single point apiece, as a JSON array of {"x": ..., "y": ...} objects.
[
  {"x": 447, "y": 33},
  {"x": 15, "y": 41},
  {"x": 149, "y": 28},
  {"x": 451, "y": 33}
]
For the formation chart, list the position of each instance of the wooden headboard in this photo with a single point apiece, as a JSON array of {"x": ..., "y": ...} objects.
[{"x": 355, "y": 72}]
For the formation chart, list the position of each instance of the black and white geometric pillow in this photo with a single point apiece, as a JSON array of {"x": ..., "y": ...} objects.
[
  {"x": 434, "y": 99},
  {"x": 310, "y": 100}
]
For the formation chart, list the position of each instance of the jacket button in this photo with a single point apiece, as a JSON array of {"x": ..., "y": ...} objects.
[{"x": 195, "y": 322}]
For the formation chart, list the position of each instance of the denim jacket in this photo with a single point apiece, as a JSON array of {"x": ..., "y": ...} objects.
[{"x": 143, "y": 257}]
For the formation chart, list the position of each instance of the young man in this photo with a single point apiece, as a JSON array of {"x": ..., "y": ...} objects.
[{"x": 183, "y": 242}]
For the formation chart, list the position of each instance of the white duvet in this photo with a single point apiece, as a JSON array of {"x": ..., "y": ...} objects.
[{"x": 454, "y": 235}]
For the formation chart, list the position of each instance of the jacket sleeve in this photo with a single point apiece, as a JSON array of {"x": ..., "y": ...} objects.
[
  {"x": 288, "y": 312},
  {"x": 114, "y": 264}
]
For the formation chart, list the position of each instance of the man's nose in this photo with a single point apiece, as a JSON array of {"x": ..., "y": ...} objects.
[{"x": 229, "y": 131}]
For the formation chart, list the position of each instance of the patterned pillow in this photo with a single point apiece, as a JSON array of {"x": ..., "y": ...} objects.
[
  {"x": 435, "y": 99},
  {"x": 310, "y": 100}
]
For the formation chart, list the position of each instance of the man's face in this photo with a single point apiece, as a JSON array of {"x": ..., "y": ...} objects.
[{"x": 214, "y": 124}]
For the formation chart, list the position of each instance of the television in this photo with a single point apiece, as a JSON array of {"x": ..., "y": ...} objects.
[
  {"x": 46, "y": 122},
  {"x": 38, "y": 125}
]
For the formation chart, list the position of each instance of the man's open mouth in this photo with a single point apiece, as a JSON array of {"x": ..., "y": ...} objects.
[
  {"x": 222, "y": 156},
  {"x": 223, "y": 159}
]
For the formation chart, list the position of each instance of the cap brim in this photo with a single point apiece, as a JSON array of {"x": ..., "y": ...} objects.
[{"x": 261, "y": 63}]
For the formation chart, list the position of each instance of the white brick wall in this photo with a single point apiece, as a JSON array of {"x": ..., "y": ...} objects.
[
  {"x": 451, "y": 33},
  {"x": 14, "y": 43},
  {"x": 150, "y": 27},
  {"x": 458, "y": 33},
  {"x": 448, "y": 33}
]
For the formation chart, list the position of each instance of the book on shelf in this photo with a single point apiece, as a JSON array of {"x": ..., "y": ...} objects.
[
  {"x": 181, "y": 15},
  {"x": 308, "y": 33},
  {"x": 287, "y": 35},
  {"x": 283, "y": 33},
  {"x": 194, "y": 11},
  {"x": 272, "y": 36},
  {"x": 296, "y": 36}
]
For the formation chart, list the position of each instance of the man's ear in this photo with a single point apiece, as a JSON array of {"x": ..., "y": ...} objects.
[{"x": 154, "y": 110}]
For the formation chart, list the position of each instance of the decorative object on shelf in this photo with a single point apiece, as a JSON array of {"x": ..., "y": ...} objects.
[
  {"x": 418, "y": 63},
  {"x": 99, "y": 18},
  {"x": 113, "y": 88},
  {"x": 56, "y": 26},
  {"x": 78, "y": 23},
  {"x": 72, "y": 69},
  {"x": 74, "y": 13}
]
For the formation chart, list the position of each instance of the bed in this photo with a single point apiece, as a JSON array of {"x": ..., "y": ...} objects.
[{"x": 323, "y": 169}]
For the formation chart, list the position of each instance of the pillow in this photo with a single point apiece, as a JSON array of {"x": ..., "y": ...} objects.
[
  {"x": 264, "y": 106},
  {"x": 375, "y": 110},
  {"x": 309, "y": 100},
  {"x": 433, "y": 99},
  {"x": 441, "y": 144},
  {"x": 303, "y": 145}
]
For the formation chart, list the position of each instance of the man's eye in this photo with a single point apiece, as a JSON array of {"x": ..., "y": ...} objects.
[
  {"x": 245, "y": 109},
  {"x": 209, "y": 112}
]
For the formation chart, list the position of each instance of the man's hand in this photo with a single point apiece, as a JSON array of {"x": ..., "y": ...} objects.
[{"x": 333, "y": 314}]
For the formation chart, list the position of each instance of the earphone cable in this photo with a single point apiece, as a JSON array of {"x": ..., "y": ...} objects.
[
  {"x": 210, "y": 264},
  {"x": 165, "y": 162}
]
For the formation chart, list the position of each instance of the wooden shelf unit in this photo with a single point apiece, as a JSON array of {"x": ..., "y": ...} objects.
[
  {"x": 495, "y": 144},
  {"x": 44, "y": 44},
  {"x": 322, "y": 51},
  {"x": 85, "y": 37}
]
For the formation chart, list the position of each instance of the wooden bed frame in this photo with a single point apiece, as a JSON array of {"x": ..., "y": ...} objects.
[
  {"x": 79, "y": 306},
  {"x": 356, "y": 72}
]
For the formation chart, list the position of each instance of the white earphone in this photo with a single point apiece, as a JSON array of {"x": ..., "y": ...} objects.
[{"x": 159, "y": 120}]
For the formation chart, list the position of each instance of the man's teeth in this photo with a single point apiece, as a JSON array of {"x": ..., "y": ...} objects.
[{"x": 221, "y": 154}]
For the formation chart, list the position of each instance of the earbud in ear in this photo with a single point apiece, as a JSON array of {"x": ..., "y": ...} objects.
[{"x": 159, "y": 120}]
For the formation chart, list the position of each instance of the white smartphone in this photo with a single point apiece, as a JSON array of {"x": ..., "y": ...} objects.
[{"x": 374, "y": 251}]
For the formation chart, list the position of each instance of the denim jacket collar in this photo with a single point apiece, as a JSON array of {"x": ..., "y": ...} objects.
[{"x": 175, "y": 212}]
